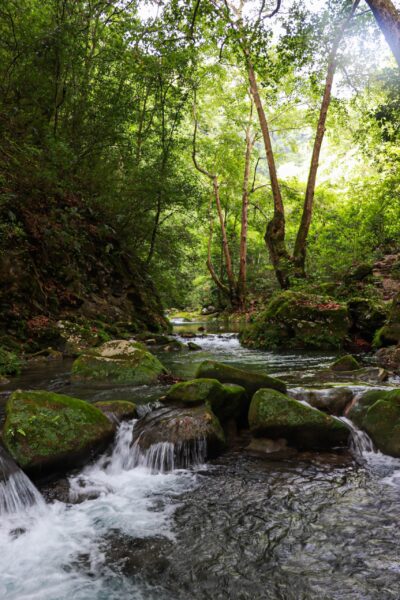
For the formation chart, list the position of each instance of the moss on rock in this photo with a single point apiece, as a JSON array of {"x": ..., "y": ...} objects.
[
  {"x": 346, "y": 363},
  {"x": 249, "y": 380},
  {"x": 227, "y": 401},
  {"x": 119, "y": 361},
  {"x": 117, "y": 410},
  {"x": 275, "y": 415},
  {"x": 298, "y": 320},
  {"x": 45, "y": 431}
]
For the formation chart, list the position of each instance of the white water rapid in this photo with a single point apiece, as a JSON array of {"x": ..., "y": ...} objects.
[{"x": 58, "y": 551}]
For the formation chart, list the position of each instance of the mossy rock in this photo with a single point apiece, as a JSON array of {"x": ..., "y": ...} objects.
[
  {"x": 117, "y": 410},
  {"x": 275, "y": 415},
  {"x": 346, "y": 363},
  {"x": 297, "y": 320},
  {"x": 184, "y": 427},
  {"x": 378, "y": 413},
  {"x": 367, "y": 316},
  {"x": 118, "y": 361},
  {"x": 249, "y": 380},
  {"x": 332, "y": 400},
  {"x": 44, "y": 431},
  {"x": 389, "y": 358},
  {"x": 387, "y": 335},
  {"x": 227, "y": 401}
]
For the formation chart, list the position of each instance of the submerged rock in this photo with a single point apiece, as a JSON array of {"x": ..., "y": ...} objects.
[
  {"x": 44, "y": 431},
  {"x": 332, "y": 400},
  {"x": 249, "y": 380},
  {"x": 227, "y": 401},
  {"x": 117, "y": 410},
  {"x": 298, "y": 320},
  {"x": 275, "y": 415},
  {"x": 120, "y": 361},
  {"x": 177, "y": 437},
  {"x": 193, "y": 346},
  {"x": 346, "y": 363},
  {"x": 378, "y": 413}
]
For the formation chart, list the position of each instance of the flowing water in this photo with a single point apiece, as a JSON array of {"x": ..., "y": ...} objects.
[{"x": 301, "y": 526}]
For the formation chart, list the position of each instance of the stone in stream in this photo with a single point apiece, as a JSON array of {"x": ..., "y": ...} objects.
[
  {"x": 193, "y": 346},
  {"x": 275, "y": 415},
  {"x": 389, "y": 358},
  {"x": 249, "y": 380},
  {"x": 297, "y": 320},
  {"x": 377, "y": 412},
  {"x": 118, "y": 361},
  {"x": 345, "y": 363},
  {"x": 117, "y": 410},
  {"x": 44, "y": 431},
  {"x": 331, "y": 400},
  {"x": 227, "y": 401},
  {"x": 167, "y": 438}
]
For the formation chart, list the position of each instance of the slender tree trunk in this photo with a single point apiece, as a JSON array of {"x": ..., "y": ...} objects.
[
  {"x": 275, "y": 233},
  {"x": 300, "y": 248},
  {"x": 388, "y": 19},
  {"x": 221, "y": 287},
  {"x": 242, "y": 277}
]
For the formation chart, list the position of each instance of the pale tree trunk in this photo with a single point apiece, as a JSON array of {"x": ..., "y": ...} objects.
[
  {"x": 221, "y": 286},
  {"x": 388, "y": 19},
  {"x": 242, "y": 277},
  {"x": 225, "y": 244},
  {"x": 275, "y": 234},
  {"x": 300, "y": 248}
]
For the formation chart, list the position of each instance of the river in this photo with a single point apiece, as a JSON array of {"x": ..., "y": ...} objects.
[{"x": 306, "y": 526}]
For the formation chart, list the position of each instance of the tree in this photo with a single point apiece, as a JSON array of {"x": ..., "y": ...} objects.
[{"x": 388, "y": 19}]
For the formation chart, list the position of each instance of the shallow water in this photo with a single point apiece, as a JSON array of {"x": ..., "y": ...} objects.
[{"x": 301, "y": 527}]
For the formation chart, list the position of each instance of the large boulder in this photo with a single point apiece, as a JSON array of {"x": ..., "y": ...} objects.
[
  {"x": 44, "y": 431},
  {"x": 227, "y": 401},
  {"x": 176, "y": 437},
  {"x": 378, "y": 413},
  {"x": 119, "y": 361},
  {"x": 298, "y": 320},
  {"x": 275, "y": 415},
  {"x": 366, "y": 316},
  {"x": 117, "y": 410},
  {"x": 249, "y": 380}
]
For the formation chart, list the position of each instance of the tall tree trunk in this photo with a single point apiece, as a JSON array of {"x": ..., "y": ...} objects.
[
  {"x": 242, "y": 277},
  {"x": 388, "y": 19},
  {"x": 300, "y": 248},
  {"x": 275, "y": 233}
]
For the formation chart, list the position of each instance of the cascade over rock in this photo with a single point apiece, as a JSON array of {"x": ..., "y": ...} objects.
[{"x": 275, "y": 415}]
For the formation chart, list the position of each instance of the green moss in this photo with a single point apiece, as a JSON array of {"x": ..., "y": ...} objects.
[
  {"x": 274, "y": 414},
  {"x": 298, "y": 320},
  {"x": 10, "y": 363},
  {"x": 44, "y": 429},
  {"x": 249, "y": 380},
  {"x": 346, "y": 363},
  {"x": 226, "y": 401},
  {"x": 382, "y": 423},
  {"x": 109, "y": 363},
  {"x": 117, "y": 410}
]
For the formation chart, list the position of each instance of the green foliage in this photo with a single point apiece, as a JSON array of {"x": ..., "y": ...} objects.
[{"x": 10, "y": 363}]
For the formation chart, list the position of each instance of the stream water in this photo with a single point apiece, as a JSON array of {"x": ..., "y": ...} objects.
[{"x": 305, "y": 526}]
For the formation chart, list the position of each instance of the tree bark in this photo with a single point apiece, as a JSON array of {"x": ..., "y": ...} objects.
[
  {"x": 300, "y": 248},
  {"x": 275, "y": 233},
  {"x": 242, "y": 277},
  {"x": 388, "y": 19}
]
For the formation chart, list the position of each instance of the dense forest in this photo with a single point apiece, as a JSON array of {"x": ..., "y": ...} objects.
[
  {"x": 226, "y": 149},
  {"x": 199, "y": 263}
]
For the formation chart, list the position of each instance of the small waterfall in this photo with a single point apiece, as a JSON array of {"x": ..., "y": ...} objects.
[
  {"x": 360, "y": 442},
  {"x": 163, "y": 457},
  {"x": 17, "y": 492}
]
